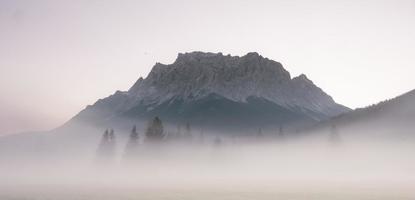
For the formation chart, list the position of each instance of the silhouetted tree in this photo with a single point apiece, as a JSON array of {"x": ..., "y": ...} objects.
[
  {"x": 112, "y": 136},
  {"x": 133, "y": 142},
  {"x": 155, "y": 131},
  {"x": 104, "y": 139},
  {"x": 106, "y": 148},
  {"x": 111, "y": 141},
  {"x": 134, "y": 135}
]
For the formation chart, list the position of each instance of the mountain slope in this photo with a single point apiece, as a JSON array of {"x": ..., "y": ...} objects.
[
  {"x": 391, "y": 116},
  {"x": 214, "y": 90}
]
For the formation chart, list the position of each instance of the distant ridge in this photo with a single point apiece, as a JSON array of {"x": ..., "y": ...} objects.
[{"x": 394, "y": 115}]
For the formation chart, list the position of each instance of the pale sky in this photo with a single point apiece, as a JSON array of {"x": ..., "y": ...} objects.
[{"x": 56, "y": 57}]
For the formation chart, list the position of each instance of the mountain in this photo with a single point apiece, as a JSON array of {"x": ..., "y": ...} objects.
[
  {"x": 216, "y": 91},
  {"x": 391, "y": 117}
]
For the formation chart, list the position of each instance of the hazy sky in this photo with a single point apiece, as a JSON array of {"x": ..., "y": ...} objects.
[{"x": 56, "y": 57}]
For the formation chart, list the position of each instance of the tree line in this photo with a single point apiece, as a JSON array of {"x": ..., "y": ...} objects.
[{"x": 155, "y": 134}]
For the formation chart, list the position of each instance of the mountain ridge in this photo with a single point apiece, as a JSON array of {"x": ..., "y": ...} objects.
[
  {"x": 196, "y": 76},
  {"x": 392, "y": 116}
]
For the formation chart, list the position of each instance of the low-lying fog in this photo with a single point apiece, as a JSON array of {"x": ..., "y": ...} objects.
[{"x": 266, "y": 167}]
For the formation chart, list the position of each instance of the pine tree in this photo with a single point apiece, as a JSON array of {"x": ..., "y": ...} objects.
[
  {"x": 104, "y": 138},
  {"x": 112, "y": 136},
  {"x": 106, "y": 148},
  {"x": 155, "y": 131},
  {"x": 133, "y": 142},
  {"x": 111, "y": 142},
  {"x": 134, "y": 135}
]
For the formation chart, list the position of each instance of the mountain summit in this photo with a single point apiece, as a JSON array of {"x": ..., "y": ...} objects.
[{"x": 216, "y": 90}]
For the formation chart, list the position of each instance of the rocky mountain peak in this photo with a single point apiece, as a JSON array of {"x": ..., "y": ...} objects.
[
  {"x": 136, "y": 85},
  {"x": 195, "y": 55},
  {"x": 198, "y": 77},
  {"x": 302, "y": 78}
]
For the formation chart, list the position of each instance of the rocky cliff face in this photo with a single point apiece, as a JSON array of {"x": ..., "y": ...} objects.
[{"x": 187, "y": 88}]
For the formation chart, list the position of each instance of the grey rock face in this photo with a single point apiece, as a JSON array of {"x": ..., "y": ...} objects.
[{"x": 197, "y": 75}]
